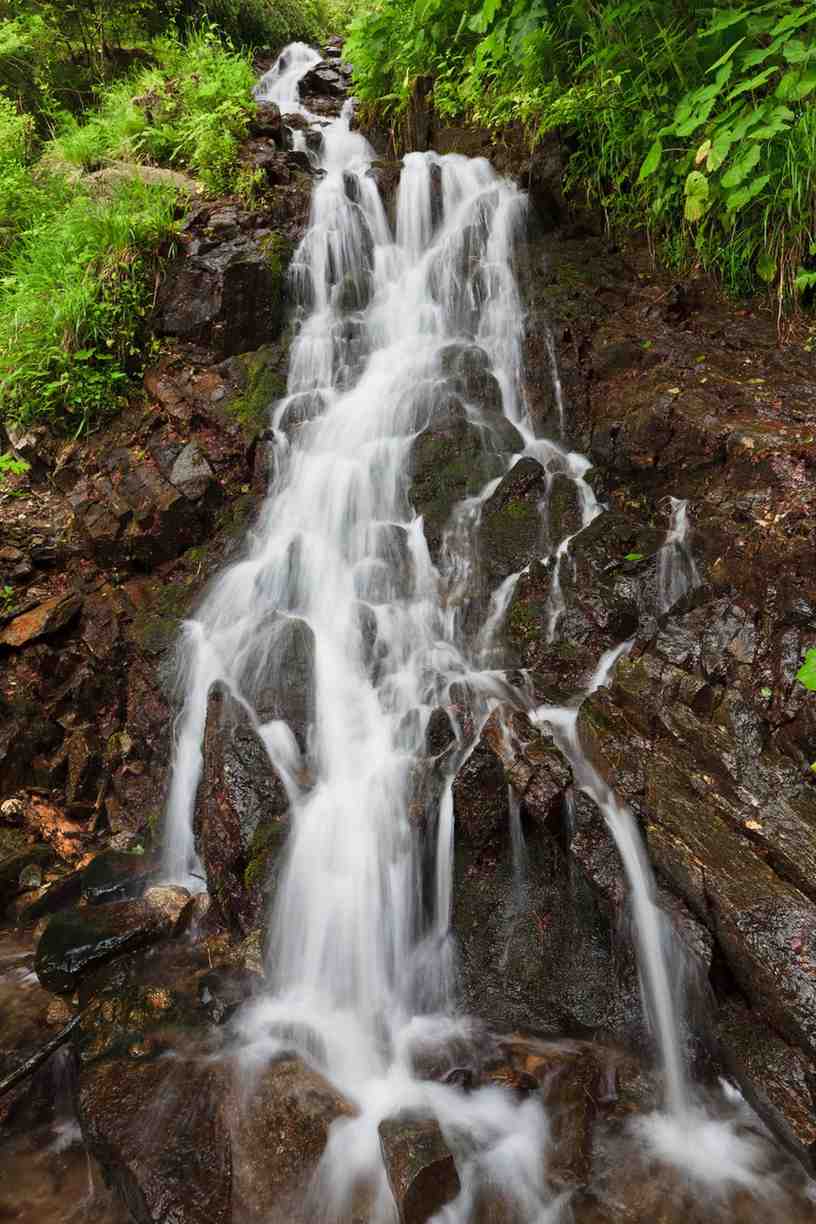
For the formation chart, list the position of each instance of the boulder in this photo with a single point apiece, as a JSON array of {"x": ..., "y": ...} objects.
[
  {"x": 115, "y": 875},
  {"x": 449, "y": 461},
  {"x": 279, "y": 1125},
  {"x": 229, "y": 298},
  {"x": 241, "y": 812},
  {"x": 420, "y": 1168},
  {"x": 77, "y": 941},
  {"x": 47, "y": 618},
  {"x": 157, "y": 1128}
]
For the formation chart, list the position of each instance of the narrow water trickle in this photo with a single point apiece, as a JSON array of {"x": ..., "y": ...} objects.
[{"x": 338, "y": 557}]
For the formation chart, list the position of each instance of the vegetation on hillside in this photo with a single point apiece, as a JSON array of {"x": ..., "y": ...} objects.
[
  {"x": 83, "y": 83},
  {"x": 693, "y": 119}
]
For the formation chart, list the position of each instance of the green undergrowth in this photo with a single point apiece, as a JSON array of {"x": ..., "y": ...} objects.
[
  {"x": 73, "y": 305},
  {"x": 189, "y": 111},
  {"x": 693, "y": 120}
]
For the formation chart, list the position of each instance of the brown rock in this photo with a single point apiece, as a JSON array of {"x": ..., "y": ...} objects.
[
  {"x": 157, "y": 1128},
  {"x": 48, "y": 617},
  {"x": 420, "y": 1168},
  {"x": 279, "y": 1129}
]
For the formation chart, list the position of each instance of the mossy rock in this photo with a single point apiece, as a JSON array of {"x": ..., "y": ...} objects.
[
  {"x": 262, "y": 380},
  {"x": 156, "y": 624}
]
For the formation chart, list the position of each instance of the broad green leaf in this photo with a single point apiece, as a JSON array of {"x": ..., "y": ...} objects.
[
  {"x": 738, "y": 199},
  {"x": 760, "y": 54},
  {"x": 742, "y": 166},
  {"x": 766, "y": 267},
  {"x": 719, "y": 150},
  {"x": 726, "y": 56},
  {"x": 807, "y": 672},
  {"x": 752, "y": 83},
  {"x": 696, "y": 191},
  {"x": 793, "y": 21},
  {"x": 804, "y": 280},
  {"x": 702, "y": 152},
  {"x": 723, "y": 20},
  {"x": 797, "y": 52},
  {"x": 634, "y": 556},
  {"x": 651, "y": 161}
]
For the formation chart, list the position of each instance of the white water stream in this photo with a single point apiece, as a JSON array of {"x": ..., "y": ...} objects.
[{"x": 361, "y": 980}]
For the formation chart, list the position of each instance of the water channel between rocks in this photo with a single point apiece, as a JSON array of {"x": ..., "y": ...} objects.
[{"x": 342, "y": 636}]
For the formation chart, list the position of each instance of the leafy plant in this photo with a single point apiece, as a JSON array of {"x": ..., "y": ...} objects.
[
  {"x": 694, "y": 121},
  {"x": 807, "y": 672}
]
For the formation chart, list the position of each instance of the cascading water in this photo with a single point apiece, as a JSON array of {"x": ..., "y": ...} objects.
[{"x": 338, "y": 572}]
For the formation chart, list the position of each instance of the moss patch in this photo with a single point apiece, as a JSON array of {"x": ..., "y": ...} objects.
[
  {"x": 263, "y": 382},
  {"x": 267, "y": 842}
]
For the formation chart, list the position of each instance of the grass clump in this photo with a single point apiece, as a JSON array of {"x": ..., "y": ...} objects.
[
  {"x": 694, "y": 120},
  {"x": 74, "y": 303}
]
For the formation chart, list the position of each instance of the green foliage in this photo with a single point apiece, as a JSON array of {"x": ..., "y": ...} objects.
[
  {"x": 189, "y": 111},
  {"x": 73, "y": 306},
  {"x": 694, "y": 120},
  {"x": 807, "y": 672}
]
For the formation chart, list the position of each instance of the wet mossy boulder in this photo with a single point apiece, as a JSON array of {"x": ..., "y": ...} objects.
[
  {"x": 241, "y": 812},
  {"x": 115, "y": 875},
  {"x": 510, "y": 531},
  {"x": 77, "y": 941}
]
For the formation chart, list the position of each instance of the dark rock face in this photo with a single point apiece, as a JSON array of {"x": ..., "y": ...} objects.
[
  {"x": 450, "y": 461},
  {"x": 241, "y": 813},
  {"x": 77, "y": 941},
  {"x": 229, "y": 298},
  {"x": 116, "y": 876}
]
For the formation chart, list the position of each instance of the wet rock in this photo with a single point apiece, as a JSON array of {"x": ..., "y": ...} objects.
[
  {"x": 467, "y": 368},
  {"x": 420, "y": 1168},
  {"x": 84, "y": 760},
  {"x": 47, "y": 618},
  {"x": 510, "y": 532},
  {"x": 266, "y": 121},
  {"x": 60, "y": 894},
  {"x": 77, "y": 941},
  {"x": 240, "y": 812},
  {"x": 570, "y": 1082},
  {"x": 229, "y": 298},
  {"x": 480, "y": 801},
  {"x": 14, "y": 869},
  {"x": 534, "y": 766},
  {"x": 325, "y": 80},
  {"x": 776, "y": 1079},
  {"x": 448, "y": 462},
  {"x": 279, "y": 1124},
  {"x": 157, "y": 1128},
  {"x": 223, "y": 991},
  {"x": 284, "y": 687},
  {"x": 116, "y": 876}
]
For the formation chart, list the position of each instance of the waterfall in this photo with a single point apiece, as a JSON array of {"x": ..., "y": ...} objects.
[{"x": 339, "y": 557}]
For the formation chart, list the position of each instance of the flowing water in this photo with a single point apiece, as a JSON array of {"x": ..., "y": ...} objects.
[{"x": 337, "y": 575}]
